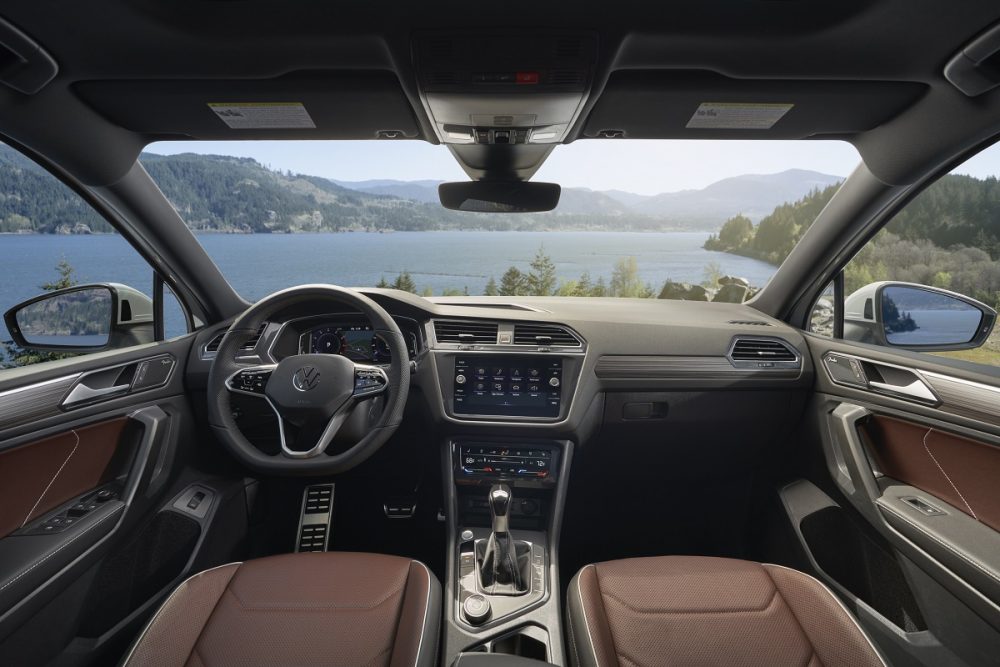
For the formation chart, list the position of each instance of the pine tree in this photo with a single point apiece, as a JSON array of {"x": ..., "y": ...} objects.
[
  {"x": 541, "y": 279},
  {"x": 513, "y": 283},
  {"x": 491, "y": 287},
  {"x": 405, "y": 283}
]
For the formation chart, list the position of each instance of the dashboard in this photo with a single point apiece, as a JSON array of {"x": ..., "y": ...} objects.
[{"x": 549, "y": 365}]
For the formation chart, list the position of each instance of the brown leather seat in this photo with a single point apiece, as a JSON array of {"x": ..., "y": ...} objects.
[
  {"x": 298, "y": 609},
  {"x": 680, "y": 610}
]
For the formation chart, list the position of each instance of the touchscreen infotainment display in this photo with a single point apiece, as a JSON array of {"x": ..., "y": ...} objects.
[{"x": 508, "y": 385}]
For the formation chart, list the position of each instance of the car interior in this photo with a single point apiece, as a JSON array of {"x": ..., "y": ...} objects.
[{"x": 331, "y": 475}]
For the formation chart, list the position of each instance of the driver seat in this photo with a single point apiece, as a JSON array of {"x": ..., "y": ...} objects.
[{"x": 331, "y": 608}]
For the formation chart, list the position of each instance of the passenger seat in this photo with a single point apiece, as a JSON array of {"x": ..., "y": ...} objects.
[{"x": 681, "y": 610}]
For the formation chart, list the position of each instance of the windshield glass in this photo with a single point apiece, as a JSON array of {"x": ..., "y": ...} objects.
[{"x": 668, "y": 219}]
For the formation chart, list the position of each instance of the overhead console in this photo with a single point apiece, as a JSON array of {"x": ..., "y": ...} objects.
[{"x": 501, "y": 88}]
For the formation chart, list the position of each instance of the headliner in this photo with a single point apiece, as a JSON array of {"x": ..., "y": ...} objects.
[{"x": 870, "y": 72}]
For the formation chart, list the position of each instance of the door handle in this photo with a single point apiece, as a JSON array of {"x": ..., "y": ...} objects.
[
  {"x": 82, "y": 393},
  {"x": 917, "y": 390}
]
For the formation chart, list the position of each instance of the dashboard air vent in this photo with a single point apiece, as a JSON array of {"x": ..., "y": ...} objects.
[
  {"x": 250, "y": 345},
  {"x": 466, "y": 331},
  {"x": 567, "y": 77},
  {"x": 543, "y": 334},
  {"x": 757, "y": 349}
]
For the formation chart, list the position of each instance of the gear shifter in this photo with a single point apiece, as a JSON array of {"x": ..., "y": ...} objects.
[{"x": 500, "y": 565}]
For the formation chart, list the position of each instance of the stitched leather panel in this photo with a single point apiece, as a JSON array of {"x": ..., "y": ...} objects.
[
  {"x": 958, "y": 470},
  {"x": 680, "y": 610},
  {"x": 171, "y": 636},
  {"x": 41, "y": 475},
  {"x": 295, "y": 609}
]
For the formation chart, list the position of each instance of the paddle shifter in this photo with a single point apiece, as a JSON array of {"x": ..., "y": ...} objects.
[{"x": 503, "y": 562}]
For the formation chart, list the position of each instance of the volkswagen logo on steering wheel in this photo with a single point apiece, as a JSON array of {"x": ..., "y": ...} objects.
[{"x": 306, "y": 378}]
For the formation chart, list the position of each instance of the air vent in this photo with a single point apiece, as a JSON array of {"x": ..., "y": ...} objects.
[
  {"x": 440, "y": 49},
  {"x": 441, "y": 78},
  {"x": 567, "y": 77},
  {"x": 250, "y": 345},
  {"x": 568, "y": 47},
  {"x": 466, "y": 331},
  {"x": 543, "y": 334},
  {"x": 758, "y": 349},
  {"x": 751, "y": 323}
]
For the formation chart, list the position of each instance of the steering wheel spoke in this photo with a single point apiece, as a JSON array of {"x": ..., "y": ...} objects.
[{"x": 250, "y": 380}]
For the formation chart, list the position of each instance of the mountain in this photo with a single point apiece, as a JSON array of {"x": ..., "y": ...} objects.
[
  {"x": 228, "y": 194},
  {"x": 422, "y": 191},
  {"x": 753, "y": 195}
]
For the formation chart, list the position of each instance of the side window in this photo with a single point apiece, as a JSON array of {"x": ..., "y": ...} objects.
[
  {"x": 69, "y": 284},
  {"x": 930, "y": 280}
]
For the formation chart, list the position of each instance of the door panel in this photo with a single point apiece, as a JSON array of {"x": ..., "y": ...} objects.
[
  {"x": 918, "y": 466},
  {"x": 961, "y": 471},
  {"x": 38, "y": 476},
  {"x": 55, "y": 458}
]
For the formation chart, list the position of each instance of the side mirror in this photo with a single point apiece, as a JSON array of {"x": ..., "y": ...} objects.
[
  {"x": 85, "y": 318},
  {"x": 916, "y": 317}
]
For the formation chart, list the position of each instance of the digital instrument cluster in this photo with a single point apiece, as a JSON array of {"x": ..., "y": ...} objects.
[{"x": 354, "y": 340}]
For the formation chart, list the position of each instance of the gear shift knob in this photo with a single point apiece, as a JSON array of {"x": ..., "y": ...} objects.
[{"x": 500, "y": 501}]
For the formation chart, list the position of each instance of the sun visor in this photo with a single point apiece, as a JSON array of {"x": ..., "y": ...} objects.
[
  {"x": 313, "y": 105},
  {"x": 705, "y": 105}
]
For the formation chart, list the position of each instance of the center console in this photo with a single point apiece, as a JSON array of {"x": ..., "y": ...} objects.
[{"x": 505, "y": 503}]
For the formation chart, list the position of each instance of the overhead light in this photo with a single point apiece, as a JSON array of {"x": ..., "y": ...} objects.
[
  {"x": 542, "y": 136},
  {"x": 459, "y": 134}
]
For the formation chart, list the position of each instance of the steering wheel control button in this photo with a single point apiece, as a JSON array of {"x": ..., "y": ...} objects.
[
  {"x": 477, "y": 609},
  {"x": 369, "y": 380},
  {"x": 250, "y": 381}
]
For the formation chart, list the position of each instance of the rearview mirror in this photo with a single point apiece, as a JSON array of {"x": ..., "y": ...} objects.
[
  {"x": 499, "y": 196},
  {"x": 916, "y": 317},
  {"x": 85, "y": 318}
]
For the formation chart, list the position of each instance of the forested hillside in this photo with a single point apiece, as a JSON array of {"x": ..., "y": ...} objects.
[{"x": 949, "y": 236}]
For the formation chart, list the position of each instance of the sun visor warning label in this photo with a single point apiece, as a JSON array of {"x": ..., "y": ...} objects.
[
  {"x": 737, "y": 116},
  {"x": 263, "y": 115}
]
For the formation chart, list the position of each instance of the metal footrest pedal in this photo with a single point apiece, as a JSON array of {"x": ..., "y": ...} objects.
[{"x": 316, "y": 518}]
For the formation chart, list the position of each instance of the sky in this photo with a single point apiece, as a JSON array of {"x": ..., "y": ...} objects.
[{"x": 642, "y": 166}]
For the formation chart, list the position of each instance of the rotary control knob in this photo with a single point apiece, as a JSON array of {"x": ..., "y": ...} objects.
[
  {"x": 554, "y": 382},
  {"x": 477, "y": 609},
  {"x": 459, "y": 379}
]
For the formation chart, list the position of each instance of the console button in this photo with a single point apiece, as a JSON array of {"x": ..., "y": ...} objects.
[
  {"x": 554, "y": 381},
  {"x": 459, "y": 379}
]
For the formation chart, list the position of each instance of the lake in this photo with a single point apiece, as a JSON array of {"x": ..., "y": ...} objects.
[{"x": 259, "y": 264}]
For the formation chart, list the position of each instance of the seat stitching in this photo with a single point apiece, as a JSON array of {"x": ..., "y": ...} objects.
[
  {"x": 676, "y": 612},
  {"x": 840, "y": 603},
  {"x": 600, "y": 591},
  {"x": 197, "y": 640},
  {"x": 247, "y": 607},
  {"x": 52, "y": 481},
  {"x": 939, "y": 467},
  {"x": 964, "y": 557},
  {"x": 791, "y": 610},
  {"x": 62, "y": 546}
]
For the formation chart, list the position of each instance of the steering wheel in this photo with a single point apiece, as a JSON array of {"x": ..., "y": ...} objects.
[{"x": 313, "y": 395}]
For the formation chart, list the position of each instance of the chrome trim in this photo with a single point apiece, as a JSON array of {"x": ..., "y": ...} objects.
[{"x": 755, "y": 365}]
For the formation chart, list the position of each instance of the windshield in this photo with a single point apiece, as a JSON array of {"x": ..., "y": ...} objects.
[{"x": 669, "y": 219}]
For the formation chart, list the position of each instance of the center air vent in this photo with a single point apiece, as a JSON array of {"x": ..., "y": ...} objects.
[
  {"x": 762, "y": 350},
  {"x": 543, "y": 334},
  {"x": 466, "y": 331}
]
